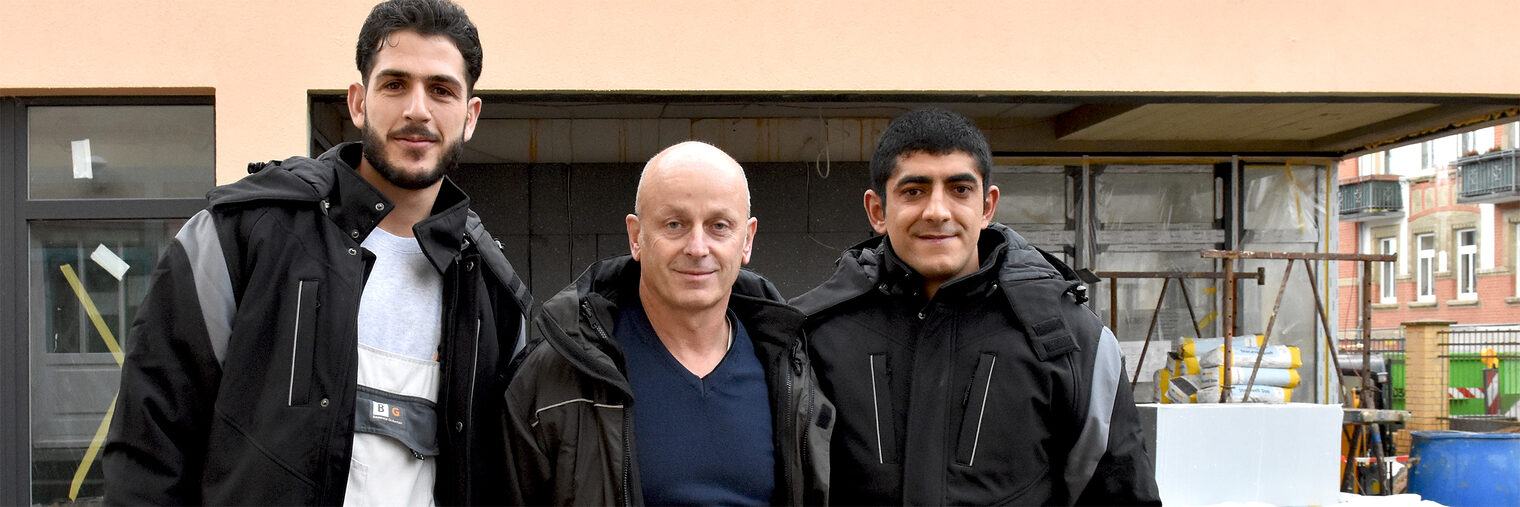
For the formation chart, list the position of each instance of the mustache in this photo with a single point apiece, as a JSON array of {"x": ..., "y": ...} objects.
[{"x": 415, "y": 130}]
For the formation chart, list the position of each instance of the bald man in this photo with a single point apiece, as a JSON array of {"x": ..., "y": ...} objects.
[{"x": 670, "y": 376}]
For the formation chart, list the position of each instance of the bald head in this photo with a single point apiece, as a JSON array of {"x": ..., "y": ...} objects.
[
  {"x": 690, "y": 231},
  {"x": 693, "y": 158}
]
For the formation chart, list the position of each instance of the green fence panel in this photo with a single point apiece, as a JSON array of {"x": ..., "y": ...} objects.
[
  {"x": 1466, "y": 370},
  {"x": 1395, "y": 362},
  {"x": 1509, "y": 375}
]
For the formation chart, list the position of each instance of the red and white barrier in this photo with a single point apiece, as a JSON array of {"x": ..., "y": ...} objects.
[{"x": 1465, "y": 393}]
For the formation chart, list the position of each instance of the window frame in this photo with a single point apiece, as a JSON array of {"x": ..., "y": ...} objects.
[
  {"x": 1425, "y": 271},
  {"x": 84, "y": 209},
  {"x": 1388, "y": 291},
  {"x": 1467, "y": 262},
  {"x": 16, "y": 446}
]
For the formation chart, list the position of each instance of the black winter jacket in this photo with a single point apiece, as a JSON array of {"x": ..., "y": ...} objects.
[
  {"x": 1002, "y": 389},
  {"x": 239, "y": 381},
  {"x": 571, "y": 435}
]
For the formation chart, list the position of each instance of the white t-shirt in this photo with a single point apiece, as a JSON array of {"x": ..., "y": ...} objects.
[{"x": 399, "y": 326}]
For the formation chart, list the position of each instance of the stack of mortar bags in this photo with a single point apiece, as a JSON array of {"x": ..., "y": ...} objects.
[{"x": 1192, "y": 375}]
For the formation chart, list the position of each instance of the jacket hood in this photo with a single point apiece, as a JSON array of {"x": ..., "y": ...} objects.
[
  {"x": 348, "y": 200},
  {"x": 871, "y": 265},
  {"x": 606, "y": 285},
  {"x": 303, "y": 179}
]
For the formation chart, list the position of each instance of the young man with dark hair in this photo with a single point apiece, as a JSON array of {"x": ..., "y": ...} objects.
[
  {"x": 334, "y": 330},
  {"x": 670, "y": 376},
  {"x": 964, "y": 367}
]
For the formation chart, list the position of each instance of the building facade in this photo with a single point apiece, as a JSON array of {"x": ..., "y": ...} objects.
[
  {"x": 1127, "y": 136},
  {"x": 1447, "y": 207}
]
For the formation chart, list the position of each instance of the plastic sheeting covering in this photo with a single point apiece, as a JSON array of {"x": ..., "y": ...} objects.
[
  {"x": 1283, "y": 210},
  {"x": 1157, "y": 218}
]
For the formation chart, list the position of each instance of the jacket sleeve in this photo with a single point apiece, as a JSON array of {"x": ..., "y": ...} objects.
[
  {"x": 157, "y": 441},
  {"x": 1109, "y": 464},
  {"x": 528, "y": 480}
]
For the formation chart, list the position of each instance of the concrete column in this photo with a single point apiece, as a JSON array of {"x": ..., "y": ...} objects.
[{"x": 1425, "y": 379}]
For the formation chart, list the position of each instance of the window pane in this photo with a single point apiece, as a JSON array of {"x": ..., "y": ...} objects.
[
  {"x": 131, "y": 151},
  {"x": 1155, "y": 195},
  {"x": 1425, "y": 245},
  {"x": 73, "y": 374},
  {"x": 1036, "y": 201},
  {"x": 1031, "y": 195},
  {"x": 1154, "y": 218}
]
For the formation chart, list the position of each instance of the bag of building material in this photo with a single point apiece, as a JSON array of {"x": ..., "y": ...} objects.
[
  {"x": 1186, "y": 366},
  {"x": 1273, "y": 356},
  {"x": 1259, "y": 394},
  {"x": 1182, "y": 389},
  {"x": 1195, "y": 348},
  {"x": 1163, "y": 376},
  {"x": 1241, "y": 375}
]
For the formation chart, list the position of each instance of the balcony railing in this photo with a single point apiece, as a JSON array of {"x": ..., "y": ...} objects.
[
  {"x": 1489, "y": 177},
  {"x": 1372, "y": 196}
]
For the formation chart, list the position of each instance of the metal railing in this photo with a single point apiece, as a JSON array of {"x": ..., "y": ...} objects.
[
  {"x": 1371, "y": 196},
  {"x": 1469, "y": 354},
  {"x": 1489, "y": 174},
  {"x": 1469, "y": 343},
  {"x": 1383, "y": 340}
]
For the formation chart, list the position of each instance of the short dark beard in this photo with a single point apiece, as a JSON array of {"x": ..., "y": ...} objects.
[{"x": 374, "y": 152}]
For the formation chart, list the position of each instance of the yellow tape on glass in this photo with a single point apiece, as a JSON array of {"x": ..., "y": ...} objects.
[
  {"x": 105, "y": 334},
  {"x": 89, "y": 307}
]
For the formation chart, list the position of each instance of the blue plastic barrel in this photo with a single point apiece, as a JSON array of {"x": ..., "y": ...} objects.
[{"x": 1459, "y": 468}]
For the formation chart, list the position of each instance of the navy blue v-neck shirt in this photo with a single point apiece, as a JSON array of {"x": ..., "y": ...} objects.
[{"x": 699, "y": 440}]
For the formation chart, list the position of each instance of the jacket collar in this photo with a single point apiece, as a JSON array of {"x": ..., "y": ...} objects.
[
  {"x": 606, "y": 285},
  {"x": 357, "y": 206},
  {"x": 898, "y": 278},
  {"x": 332, "y": 182},
  {"x": 872, "y": 265}
]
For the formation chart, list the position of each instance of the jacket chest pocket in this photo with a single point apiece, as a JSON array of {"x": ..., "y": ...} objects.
[
  {"x": 975, "y": 415},
  {"x": 885, "y": 423},
  {"x": 302, "y": 337}
]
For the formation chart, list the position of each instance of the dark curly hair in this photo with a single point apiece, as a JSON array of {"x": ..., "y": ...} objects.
[
  {"x": 933, "y": 131},
  {"x": 427, "y": 17}
]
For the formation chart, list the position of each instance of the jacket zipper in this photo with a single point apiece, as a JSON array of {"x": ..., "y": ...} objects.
[
  {"x": 792, "y": 420},
  {"x": 627, "y": 462},
  {"x": 450, "y": 358},
  {"x": 596, "y": 326}
]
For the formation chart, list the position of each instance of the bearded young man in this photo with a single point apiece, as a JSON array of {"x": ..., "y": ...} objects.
[{"x": 334, "y": 330}]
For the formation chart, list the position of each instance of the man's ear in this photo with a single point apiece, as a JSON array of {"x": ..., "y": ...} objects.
[
  {"x": 749, "y": 239},
  {"x": 633, "y": 234},
  {"x": 356, "y": 104},
  {"x": 876, "y": 212},
  {"x": 990, "y": 206},
  {"x": 471, "y": 115}
]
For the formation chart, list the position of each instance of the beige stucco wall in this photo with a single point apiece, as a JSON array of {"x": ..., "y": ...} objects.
[{"x": 260, "y": 58}]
